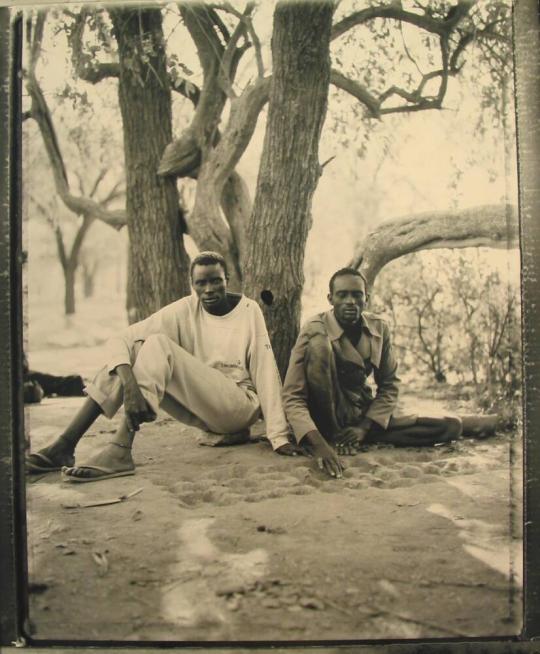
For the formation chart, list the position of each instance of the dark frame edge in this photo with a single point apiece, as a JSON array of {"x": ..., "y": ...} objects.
[
  {"x": 13, "y": 578},
  {"x": 527, "y": 70},
  {"x": 12, "y": 493}
]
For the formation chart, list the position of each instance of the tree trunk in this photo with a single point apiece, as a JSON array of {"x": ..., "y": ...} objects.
[
  {"x": 69, "y": 290},
  {"x": 289, "y": 169},
  {"x": 158, "y": 272},
  {"x": 89, "y": 274}
]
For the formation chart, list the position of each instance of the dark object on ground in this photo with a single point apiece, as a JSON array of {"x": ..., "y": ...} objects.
[{"x": 39, "y": 384}]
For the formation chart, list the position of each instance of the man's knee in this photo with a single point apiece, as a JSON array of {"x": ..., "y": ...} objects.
[
  {"x": 453, "y": 428},
  {"x": 155, "y": 345}
]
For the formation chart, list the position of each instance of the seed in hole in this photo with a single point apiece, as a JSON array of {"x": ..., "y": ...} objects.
[{"x": 267, "y": 297}]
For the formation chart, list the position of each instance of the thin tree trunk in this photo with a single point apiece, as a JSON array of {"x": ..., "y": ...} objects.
[
  {"x": 158, "y": 272},
  {"x": 289, "y": 169},
  {"x": 89, "y": 275},
  {"x": 69, "y": 291}
]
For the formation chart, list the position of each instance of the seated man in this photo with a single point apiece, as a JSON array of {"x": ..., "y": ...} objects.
[
  {"x": 326, "y": 396},
  {"x": 206, "y": 359}
]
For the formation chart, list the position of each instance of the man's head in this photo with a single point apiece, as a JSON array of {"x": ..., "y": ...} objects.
[
  {"x": 209, "y": 280},
  {"x": 348, "y": 295}
]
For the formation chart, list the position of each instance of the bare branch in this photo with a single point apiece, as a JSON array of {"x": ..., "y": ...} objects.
[
  {"x": 226, "y": 63},
  {"x": 256, "y": 44},
  {"x": 117, "y": 191},
  {"x": 37, "y": 38},
  {"x": 423, "y": 21},
  {"x": 81, "y": 182},
  {"x": 219, "y": 24},
  {"x": 417, "y": 100},
  {"x": 242, "y": 121},
  {"x": 97, "y": 182},
  {"x": 357, "y": 90},
  {"x": 200, "y": 24},
  {"x": 41, "y": 114},
  {"x": 79, "y": 238},
  {"x": 245, "y": 18}
]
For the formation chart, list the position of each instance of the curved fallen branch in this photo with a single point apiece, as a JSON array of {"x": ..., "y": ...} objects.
[{"x": 494, "y": 226}]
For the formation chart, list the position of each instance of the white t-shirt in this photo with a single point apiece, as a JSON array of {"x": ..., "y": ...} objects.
[{"x": 237, "y": 344}]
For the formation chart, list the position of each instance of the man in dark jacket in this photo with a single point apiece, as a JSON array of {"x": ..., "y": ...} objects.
[{"x": 327, "y": 399}]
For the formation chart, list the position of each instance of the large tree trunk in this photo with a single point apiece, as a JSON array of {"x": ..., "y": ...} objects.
[
  {"x": 158, "y": 273},
  {"x": 485, "y": 225},
  {"x": 289, "y": 169}
]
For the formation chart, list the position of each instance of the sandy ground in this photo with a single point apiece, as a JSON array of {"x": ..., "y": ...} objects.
[{"x": 239, "y": 544}]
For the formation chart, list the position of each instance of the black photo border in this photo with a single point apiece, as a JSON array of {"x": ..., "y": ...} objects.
[{"x": 13, "y": 573}]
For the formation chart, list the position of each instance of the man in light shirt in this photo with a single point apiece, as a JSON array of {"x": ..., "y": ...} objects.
[
  {"x": 327, "y": 399},
  {"x": 206, "y": 359}
]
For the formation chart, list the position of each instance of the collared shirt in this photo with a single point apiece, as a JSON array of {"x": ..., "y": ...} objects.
[{"x": 373, "y": 353}]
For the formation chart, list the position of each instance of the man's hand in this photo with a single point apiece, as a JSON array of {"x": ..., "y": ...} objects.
[
  {"x": 326, "y": 457},
  {"x": 289, "y": 449},
  {"x": 136, "y": 408},
  {"x": 351, "y": 438}
]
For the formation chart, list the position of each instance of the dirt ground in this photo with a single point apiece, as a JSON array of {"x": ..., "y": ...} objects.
[{"x": 239, "y": 544}]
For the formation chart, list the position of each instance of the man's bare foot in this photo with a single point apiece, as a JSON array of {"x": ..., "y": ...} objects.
[
  {"x": 480, "y": 426},
  {"x": 112, "y": 461},
  {"x": 212, "y": 439},
  {"x": 51, "y": 458}
]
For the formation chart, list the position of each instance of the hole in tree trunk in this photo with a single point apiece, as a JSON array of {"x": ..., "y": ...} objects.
[{"x": 267, "y": 297}]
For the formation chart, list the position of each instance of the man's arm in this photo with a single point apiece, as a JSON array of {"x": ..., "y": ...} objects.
[
  {"x": 136, "y": 408},
  {"x": 121, "y": 347},
  {"x": 295, "y": 400},
  {"x": 265, "y": 377},
  {"x": 122, "y": 353},
  {"x": 295, "y": 391},
  {"x": 385, "y": 401}
]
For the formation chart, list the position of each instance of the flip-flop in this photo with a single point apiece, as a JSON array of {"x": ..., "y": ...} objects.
[
  {"x": 107, "y": 473},
  {"x": 37, "y": 463}
]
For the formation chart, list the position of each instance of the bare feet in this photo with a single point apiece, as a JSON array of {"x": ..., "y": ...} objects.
[
  {"x": 51, "y": 458},
  {"x": 480, "y": 426},
  {"x": 112, "y": 461},
  {"x": 211, "y": 439}
]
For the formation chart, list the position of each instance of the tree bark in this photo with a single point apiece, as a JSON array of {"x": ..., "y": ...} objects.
[
  {"x": 493, "y": 226},
  {"x": 289, "y": 169},
  {"x": 237, "y": 206},
  {"x": 158, "y": 261}
]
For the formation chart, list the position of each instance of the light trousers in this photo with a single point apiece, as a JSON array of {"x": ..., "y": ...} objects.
[{"x": 186, "y": 388}]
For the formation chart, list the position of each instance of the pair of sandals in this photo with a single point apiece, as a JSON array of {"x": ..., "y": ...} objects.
[{"x": 39, "y": 463}]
